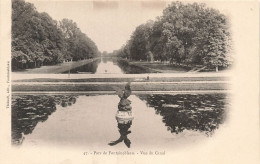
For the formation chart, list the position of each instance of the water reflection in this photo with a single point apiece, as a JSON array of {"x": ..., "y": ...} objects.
[
  {"x": 107, "y": 65},
  {"x": 89, "y": 68},
  {"x": 124, "y": 131},
  {"x": 65, "y": 100},
  {"x": 132, "y": 69},
  {"x": 202, "y": 113},
  {"x": 28, "y": 110},
  {"x": 124, "y": 116},
  {"x": 79, "y": 120}
]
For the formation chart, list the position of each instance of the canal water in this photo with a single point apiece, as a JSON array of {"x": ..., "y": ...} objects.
[
  {"x": 88, "y": 121},
  {"x": 109, "y": 66}
]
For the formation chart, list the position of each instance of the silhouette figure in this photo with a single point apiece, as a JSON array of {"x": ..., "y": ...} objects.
[{"x": 124, "y": 116}]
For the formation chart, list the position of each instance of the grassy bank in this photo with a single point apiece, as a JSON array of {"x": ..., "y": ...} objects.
[
  {"x": 161, "y": 67},
  {"x": 172, "y": 68},
  {"x": 59, "y": 68}
]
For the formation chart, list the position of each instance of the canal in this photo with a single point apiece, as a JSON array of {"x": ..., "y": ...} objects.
[
  {"x": 111, "y": 65},
  {"x": 88, "y": 121}
]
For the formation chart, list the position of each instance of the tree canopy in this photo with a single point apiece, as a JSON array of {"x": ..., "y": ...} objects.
[
  {"x": 190, "y": 34},
  {"x": 38, "y": 40}
]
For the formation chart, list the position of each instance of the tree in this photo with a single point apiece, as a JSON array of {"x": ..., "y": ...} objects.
[
  {"x": 38, "y": 40},
  {"x": 79, "y": 45},
  {"x": 185, "y": 34},
  {"x": 139, "y": 44},
  {"x": 196, "y": 34}
]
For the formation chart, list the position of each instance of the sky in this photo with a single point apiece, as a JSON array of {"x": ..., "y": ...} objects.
[{"x": 108, "y": 24}]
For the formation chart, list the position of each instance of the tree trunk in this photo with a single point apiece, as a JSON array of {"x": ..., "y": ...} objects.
[{"x": 216, "y": 68}]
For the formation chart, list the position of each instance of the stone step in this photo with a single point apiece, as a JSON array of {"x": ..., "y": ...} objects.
[{"x": 138, "y": 86}]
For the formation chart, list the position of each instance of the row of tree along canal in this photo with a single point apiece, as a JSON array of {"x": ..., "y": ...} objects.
[
  {"x": 186, "y": 34},
  {"x": 39, "y": 40}
]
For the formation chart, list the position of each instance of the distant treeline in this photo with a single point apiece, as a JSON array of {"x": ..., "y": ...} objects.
[
  {"x": 39, "y": 40},
  {"x": 189, "y": 34}
]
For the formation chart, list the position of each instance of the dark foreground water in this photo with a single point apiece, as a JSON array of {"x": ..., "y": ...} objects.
[{"x": 89, "y": 121}]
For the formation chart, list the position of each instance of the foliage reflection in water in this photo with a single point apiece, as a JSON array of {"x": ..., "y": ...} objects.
[
  {"x": 181, "y": 112},
  {"x": 201, "y": 112},
  {"x": 132, "y": 69},
  {"x": 28, "y": 110}
]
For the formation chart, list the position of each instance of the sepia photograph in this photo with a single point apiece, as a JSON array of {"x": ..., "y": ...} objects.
[{"x": 91, "y": 81}]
